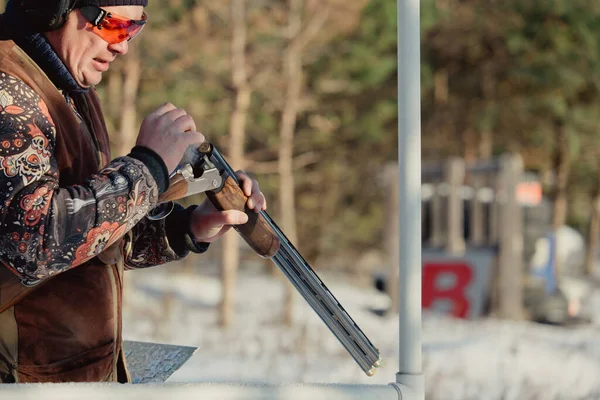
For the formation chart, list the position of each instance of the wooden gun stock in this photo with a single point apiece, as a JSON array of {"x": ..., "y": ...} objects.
[
  {"x": 255, "y": 232},
  {"x": 178, "y": 188}
]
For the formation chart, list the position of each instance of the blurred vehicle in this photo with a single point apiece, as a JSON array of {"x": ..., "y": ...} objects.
[{"x": 558, "y": 297}]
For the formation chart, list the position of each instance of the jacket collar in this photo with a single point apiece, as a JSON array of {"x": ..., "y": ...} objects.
[{"x": 37, "y": 47}]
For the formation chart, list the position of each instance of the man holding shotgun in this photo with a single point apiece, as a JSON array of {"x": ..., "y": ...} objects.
[{"x": 72, "y": 220}]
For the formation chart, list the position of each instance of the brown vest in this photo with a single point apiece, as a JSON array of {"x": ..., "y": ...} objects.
[{"x": 68, "y": 328}]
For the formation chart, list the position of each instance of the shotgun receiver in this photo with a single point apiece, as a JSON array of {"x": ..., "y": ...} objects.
[{"x": 203, "y": 169}]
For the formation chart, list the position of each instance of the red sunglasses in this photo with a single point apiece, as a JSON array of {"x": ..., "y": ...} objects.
[{"x": 111, "y": 27}]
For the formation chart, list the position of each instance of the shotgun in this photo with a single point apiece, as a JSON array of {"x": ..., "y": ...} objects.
[{"x": 204, "y": 170}]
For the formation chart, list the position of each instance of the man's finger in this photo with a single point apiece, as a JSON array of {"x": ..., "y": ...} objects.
[
  {"x": 255, "y": 188},
  {"x": 164, "y": 108},
  {"x": 246, "y": 182},
  {"x": 206, "y": 223},
  {"x": 260, "y": 205},
  {"x": 194, "y": 137},
  {"x": 223, "y": 231},
  {"x": 255, "y": 201},
  {"x": 174, "y": 114},
  {"x": 229, "y": 217},
  {"x": 260, "y": 201}
]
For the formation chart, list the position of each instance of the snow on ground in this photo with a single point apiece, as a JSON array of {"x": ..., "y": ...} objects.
[{"x": 483, "y": 359}]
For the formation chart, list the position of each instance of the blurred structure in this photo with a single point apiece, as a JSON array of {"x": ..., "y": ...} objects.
[
  {"x": 486, "y": 237},
  {"x": 559, "y": 297}
]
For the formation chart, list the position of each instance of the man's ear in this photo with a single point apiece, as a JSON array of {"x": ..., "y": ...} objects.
[{"x": 45, "y": 16}]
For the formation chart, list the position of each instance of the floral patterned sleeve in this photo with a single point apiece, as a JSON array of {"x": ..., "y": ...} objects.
[
  {"x": 46, "y": 229},
  {"x": 152, "y": 243},
  {"x": 148, "y": 246}
]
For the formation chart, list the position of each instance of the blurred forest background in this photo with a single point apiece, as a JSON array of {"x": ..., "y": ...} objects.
[{"x": 302, "y": 94}]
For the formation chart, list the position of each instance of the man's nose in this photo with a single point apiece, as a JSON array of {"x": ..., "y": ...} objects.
[{"x": 120, "y": 48}]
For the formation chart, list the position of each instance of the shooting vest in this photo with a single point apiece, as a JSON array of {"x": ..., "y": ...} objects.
[{"x": 68, "y": 328}]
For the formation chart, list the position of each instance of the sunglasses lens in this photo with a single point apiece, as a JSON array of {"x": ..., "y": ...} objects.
[
  {"x": 134, "y": 31},
  {"x": 115, "y": 29},
  {"x": 114, "y": 36}
]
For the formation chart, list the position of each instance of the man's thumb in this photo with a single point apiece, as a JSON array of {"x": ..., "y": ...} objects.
[{"x": 235, "y": 217}]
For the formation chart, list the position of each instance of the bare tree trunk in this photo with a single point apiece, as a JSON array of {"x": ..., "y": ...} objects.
[
  {"x": 128, "y": 126},
  {"x": 485, "y": 150},
  {"x": 509, "y": 280},
  {"x": 113, "y": 99},
  {"x": 593, "y": 233},
  {"x": 471, "y": 145},
  {"x": 330, "y": 202},
  {"x": 237, "y": 127},
  {"x": 292, "y": 66},
  {"x": 454, "y": 177},
  {"x": 488, "y": 89},
  {"x": 485, "y": 145},
  {"x": 561, "y": 166},
  {"x": 441, "y": 95},
  {"x": 441, "y": 86},
  {"x": 114, "y": 88}
]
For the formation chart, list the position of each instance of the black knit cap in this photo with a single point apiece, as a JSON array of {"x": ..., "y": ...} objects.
[{"x": 108, "y": 3}]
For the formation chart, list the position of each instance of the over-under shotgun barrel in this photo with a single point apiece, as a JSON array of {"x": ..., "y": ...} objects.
[{"x": 267, "y": 240}]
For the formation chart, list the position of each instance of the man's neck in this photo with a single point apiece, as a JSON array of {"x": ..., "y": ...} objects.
[{"x": 36, "y": 46}]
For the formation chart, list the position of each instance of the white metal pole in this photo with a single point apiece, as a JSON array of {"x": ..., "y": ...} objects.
[{"x": 410, "y": 374}]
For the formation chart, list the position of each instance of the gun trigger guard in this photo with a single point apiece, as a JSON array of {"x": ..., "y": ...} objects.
[{"x": 161, "y": 211}]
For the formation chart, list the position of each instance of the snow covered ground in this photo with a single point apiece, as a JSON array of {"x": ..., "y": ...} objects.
[{"x": 484, "y": 359}]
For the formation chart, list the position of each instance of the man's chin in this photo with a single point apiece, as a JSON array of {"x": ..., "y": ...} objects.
[{"x": 90, "y": 80}]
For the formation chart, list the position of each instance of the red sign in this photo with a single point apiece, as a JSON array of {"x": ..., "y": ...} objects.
[
  {"x": 460, "y": 276},
  {"x": 529, "y": 193}
]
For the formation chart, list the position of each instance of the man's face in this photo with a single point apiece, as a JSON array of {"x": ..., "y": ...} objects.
[{"x": 86, "y": 54}]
